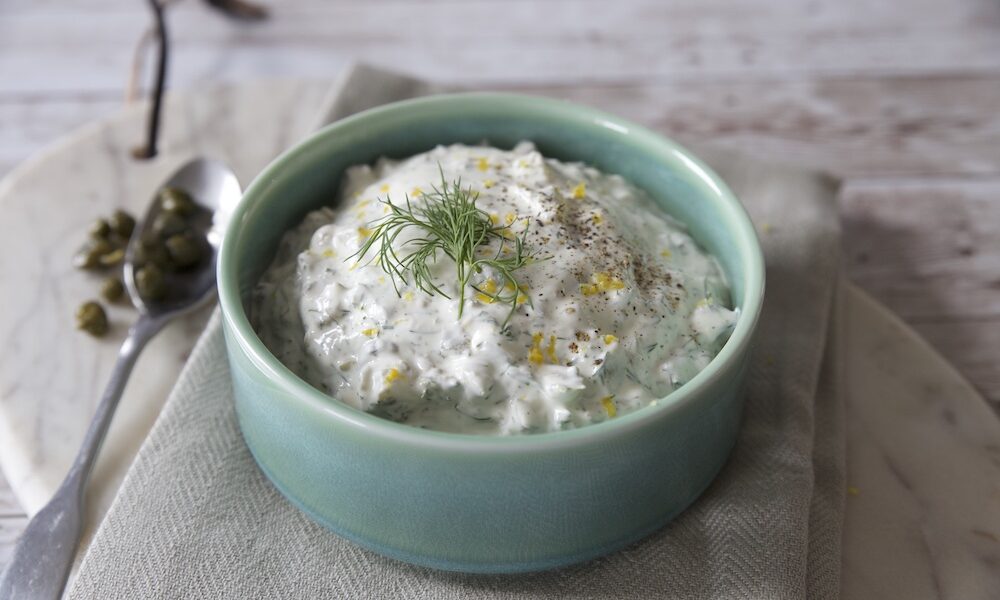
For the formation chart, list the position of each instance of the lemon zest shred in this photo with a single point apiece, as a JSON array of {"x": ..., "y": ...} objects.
[
  {"x": 579, "y": 191},
  {"x": 392, "y": 375},
  {"x": 370, "y": 332},
  {"x": 329, "y": 253},
  {"x": 551, "y": 350},
  {"x": 482, "y": 164},
  {"x": 609, "y": 405},
  {"x": 535, "y": 355},
  {"x": 489, "y": 183},
  {"x": 610, "y": 339},
  {"x": 489, "y": 289},
  {"x": 601, "y": 282}
]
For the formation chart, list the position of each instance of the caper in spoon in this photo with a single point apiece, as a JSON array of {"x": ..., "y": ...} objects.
[{"x": 43, "y": 556}]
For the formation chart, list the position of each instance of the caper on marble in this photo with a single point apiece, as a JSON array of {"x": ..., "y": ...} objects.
[
  {"x": 177, "y": 201},
  {"x": 112, "y": 258},
  {"x": 150, "y": 283},
  {"x": 90, "y": 255},
  {"x": 100, "y": 229},
  {"x": 184, "y": 250},
  {"x": 122, "y": 223},
  {"x": 90, "y": 317},
  {"x": 167, "y": 224},
  {"x": 112, "y": 289}
]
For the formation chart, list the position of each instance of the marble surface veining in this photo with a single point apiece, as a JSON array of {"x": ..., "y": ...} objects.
[{"x": 923, "y": 468}]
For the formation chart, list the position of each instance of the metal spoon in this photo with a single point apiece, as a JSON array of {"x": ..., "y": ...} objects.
[{"x": 44, "y": 554}]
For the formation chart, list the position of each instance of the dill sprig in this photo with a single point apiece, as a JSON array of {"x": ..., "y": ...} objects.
[{"x": 449, "y": 223}]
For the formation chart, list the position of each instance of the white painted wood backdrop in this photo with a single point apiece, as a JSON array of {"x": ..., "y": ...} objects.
[{"x": 901, "y": 97}]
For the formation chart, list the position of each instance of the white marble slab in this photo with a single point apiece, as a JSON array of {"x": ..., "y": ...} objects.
[
  {"x": 923, "y": 467},
  {"x": 923, "y": 510},
  {"x": 51, "y": 375}
]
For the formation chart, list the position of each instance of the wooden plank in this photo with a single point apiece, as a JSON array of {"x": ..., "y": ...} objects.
[
  {"x": 926, "y": 248},
  {"x": 881, "y": 126},
  {"x": 873, "y": 127},
  {"x": 929, "y": 251},
  {"x": 502, "y": 42}
]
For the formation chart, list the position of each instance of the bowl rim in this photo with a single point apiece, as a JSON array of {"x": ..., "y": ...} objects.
[{"x": 240, "y": 331}]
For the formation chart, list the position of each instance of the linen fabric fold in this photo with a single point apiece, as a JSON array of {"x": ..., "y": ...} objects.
[{"x": 195, "y": 518}]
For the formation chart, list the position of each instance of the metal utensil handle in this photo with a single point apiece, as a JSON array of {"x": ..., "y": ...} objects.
[{"x": 44, "y": 554}]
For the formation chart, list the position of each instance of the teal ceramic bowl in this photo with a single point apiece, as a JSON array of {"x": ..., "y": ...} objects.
[{"x": 474, "y": 503}]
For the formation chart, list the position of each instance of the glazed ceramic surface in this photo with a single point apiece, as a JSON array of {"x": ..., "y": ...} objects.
[{"x": 487, "y": 504}]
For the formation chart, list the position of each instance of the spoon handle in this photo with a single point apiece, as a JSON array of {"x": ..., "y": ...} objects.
[{"x": 44, "y": 554}]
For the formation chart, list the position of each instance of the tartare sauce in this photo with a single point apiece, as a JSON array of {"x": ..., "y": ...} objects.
[{"x": 619, "y": 307}]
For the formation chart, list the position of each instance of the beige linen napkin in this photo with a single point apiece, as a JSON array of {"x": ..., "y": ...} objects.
[{"x": 195, "y": 518}]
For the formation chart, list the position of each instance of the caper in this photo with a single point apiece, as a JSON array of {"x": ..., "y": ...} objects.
[
  {"x": 112, "y": 289},
  {"x": 150, "y": 250},
  {"x": 167, "y": 224},
  {"x": 149, "y": 282},
  {"x": 100, "y": 229},
  {"x": 122, "y": 223},
  {"x": 112, "y": 258},
  {"x": 177, "y": 201},
  {"x": 184, "y": 251},
  {"x": 90, "y": 317},
  {"x": 89, "y": 256}
]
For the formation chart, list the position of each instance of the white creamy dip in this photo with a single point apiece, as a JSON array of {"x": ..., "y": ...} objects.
[{"x": 623, "y": 308}]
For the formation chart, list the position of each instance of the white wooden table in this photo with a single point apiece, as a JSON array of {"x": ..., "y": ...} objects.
[{"x": 900, "y": 98}]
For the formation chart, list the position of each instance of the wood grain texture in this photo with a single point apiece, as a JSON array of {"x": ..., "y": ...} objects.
[
  {"x": 496, "y": 41},
  {"x": 929, "y": 250},
  {"x": 881, "y": 127},
  {"x": 870, "y": 127}
]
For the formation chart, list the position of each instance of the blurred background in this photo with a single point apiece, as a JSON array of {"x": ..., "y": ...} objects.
[{"x": 900, "y": 98}]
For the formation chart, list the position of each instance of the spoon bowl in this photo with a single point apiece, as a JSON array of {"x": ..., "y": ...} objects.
[
  {"x": 44, "y": 554},
  {"x": 215, "y": 190}
]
